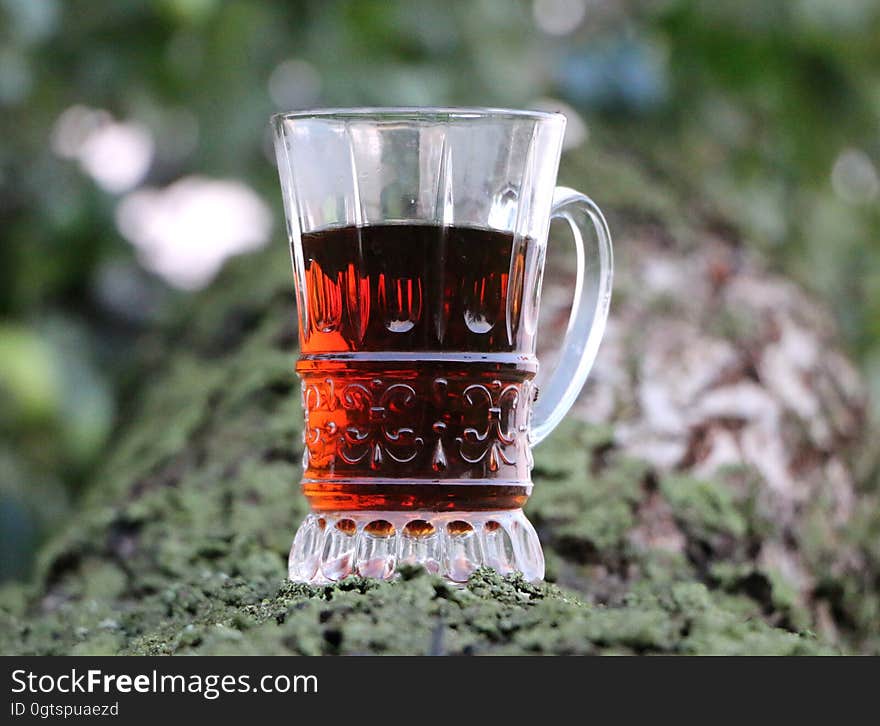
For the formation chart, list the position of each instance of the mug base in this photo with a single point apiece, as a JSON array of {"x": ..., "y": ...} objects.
[{"x": 329, "y": 546}]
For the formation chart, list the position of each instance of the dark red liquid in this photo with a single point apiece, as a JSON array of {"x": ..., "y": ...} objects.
[{"x": 417, "y": 361}]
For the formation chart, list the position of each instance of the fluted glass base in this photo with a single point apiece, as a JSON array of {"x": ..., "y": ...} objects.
[{"x": 332, "y": 545}]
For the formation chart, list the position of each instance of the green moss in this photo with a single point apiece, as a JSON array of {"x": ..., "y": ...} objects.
[
  {"x": 774, "y": 596},
  {"x": 588, "y": 512},
  {"x": 212, "y": 612},
  {"x": 420, "y": 614},
  {"x": 705, "y": 509}
]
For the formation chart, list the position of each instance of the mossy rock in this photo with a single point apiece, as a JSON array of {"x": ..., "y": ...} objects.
[{"x": 179, "y": 545}]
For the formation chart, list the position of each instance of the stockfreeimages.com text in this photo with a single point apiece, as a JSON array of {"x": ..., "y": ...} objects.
[{"x": 210, "y": 686}]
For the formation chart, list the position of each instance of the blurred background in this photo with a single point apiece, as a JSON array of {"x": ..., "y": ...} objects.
[{"x": 135, "y": 158}]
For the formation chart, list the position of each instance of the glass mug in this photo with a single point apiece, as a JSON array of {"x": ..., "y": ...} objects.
[{"x": 418, "y": 238}]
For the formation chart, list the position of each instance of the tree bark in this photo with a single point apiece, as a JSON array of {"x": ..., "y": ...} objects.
[{"x": 713, "y": 490}]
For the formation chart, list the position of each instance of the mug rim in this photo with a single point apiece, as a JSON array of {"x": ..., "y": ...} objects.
[{"x": 416, "y": 113}]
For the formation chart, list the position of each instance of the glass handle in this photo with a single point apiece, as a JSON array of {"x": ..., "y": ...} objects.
[{"x": 589, "y": 312}]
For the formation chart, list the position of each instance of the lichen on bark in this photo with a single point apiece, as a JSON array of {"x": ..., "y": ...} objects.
[{"x": 709, "y": 493}]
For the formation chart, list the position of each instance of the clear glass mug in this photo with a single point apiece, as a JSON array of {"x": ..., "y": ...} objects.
[{"x": 418, "y": 239}]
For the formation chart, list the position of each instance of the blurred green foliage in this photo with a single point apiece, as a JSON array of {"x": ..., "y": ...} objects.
[{"x": 771, "y": 108}]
